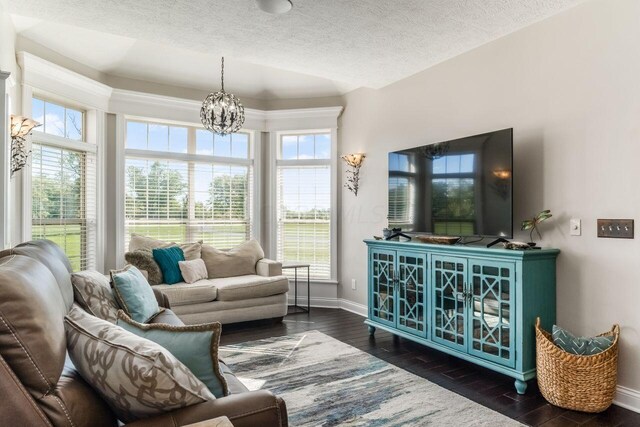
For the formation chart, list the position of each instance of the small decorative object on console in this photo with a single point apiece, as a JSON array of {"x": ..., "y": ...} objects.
[
  {"x": 522, "y": 246},
  {"x": 532, "y": 224},
  {"x": 438, "y": 240}
]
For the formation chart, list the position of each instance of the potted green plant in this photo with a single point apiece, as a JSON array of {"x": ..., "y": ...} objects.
[{"x": 532, "y": 224}]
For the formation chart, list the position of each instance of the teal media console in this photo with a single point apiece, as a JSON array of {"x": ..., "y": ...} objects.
[{"x": 472, "y": 302}]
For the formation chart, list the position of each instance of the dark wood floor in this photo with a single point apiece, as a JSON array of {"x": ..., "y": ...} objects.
[{"x": 478, "y": 384}]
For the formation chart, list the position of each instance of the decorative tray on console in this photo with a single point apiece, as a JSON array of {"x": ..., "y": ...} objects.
[{"x": 438, "y": 240}]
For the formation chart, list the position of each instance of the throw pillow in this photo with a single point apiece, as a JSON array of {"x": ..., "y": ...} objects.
[
  {"x": 193, "y": 270},
  {"x": 137, "y": 377},
  {"x": 585, "y": 346},
  {"x": 133, "y": 293},
  {"x": 143, "y": 260},
  {"x": 92, "y": 291},
  {"x": 191, "y": 250},
  {"x": 237, "y": 261},
  {"x": 196, "y": 346},
  {"x": 139, "y": 241},
  {"x": 167, "y": 259}
]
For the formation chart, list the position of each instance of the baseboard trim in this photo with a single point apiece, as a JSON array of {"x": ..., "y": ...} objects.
[
  {"x": 319, "y": 302},
  {"x": 627, "y": 398},
  {"x": 353, "y": 307}
]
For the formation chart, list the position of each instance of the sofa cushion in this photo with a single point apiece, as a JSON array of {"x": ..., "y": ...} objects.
[
  {"x": 189, "y": 293},
  {"x": 249, "y": 286},
  {"x": 140, "y": 242},
  {"x": 196, "y": 346},
  {"x": 237, "y": 261},
  {"x": 93, "y": 292},
  {"x": 138, "y": 377}
]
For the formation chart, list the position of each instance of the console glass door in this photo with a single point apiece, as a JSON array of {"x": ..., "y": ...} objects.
[
  {"x": 412, "y": 295},
  {"x": 448, "y": 300},
  {"x": 382, "y": 282},
  {"x": 491, "y": 313}
]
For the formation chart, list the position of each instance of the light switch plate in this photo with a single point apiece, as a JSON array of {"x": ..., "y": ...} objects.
[
  {"x": 575, "y": 227},
  {"x": 615, "y": 228}
]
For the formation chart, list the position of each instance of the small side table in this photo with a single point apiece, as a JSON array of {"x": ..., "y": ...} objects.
[{"x": 295, "y": 266}]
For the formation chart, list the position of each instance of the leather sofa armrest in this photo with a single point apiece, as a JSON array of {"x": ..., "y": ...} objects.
[
  {"x": 162, "y": 299},
  {"x": 268, "y": 268},
  {"x": 249, "y": 409}
]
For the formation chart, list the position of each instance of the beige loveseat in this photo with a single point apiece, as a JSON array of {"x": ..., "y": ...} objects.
[{"x": 242, "y": 285}]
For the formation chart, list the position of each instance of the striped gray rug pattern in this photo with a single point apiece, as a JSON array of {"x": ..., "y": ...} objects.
[{"x": 326, "y": 382}]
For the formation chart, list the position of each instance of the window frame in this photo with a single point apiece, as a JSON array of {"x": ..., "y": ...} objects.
[
  {"x": 272, "y": 217},
  {"x": 123, "y": 153}
]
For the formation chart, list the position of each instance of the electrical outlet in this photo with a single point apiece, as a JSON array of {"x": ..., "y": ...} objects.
[
  {"x": 615, "y": 228},
  {"x": 353, "y": 284},
  {"x": 575, "y": 227}
]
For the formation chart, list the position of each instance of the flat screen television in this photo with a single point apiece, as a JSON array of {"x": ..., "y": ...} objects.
[{"x": 462, "y": 187}]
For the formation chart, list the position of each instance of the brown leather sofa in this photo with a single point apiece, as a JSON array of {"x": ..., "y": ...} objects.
[{"x": 39, "y": 385}]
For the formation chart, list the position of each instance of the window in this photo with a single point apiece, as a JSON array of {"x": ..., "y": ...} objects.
[
  {"x": 453, "y": 195},
  {"x": 63, "y": 183},
  {"x": 187, "y": 184},
  {"x": 58, "y": 120},
  {"x": 304, "y": 201},
  {"x": 401, "y": 190}
]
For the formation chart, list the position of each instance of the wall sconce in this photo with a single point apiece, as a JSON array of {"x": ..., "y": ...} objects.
[
  {"x": 502, "y": 173},
  {"x": 354, "y": 161},
  {"x": 501, "y": 184},
  {"x": 21, "y": 127}
]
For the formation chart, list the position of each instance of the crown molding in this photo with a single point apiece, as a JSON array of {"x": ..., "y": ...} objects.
[
  {"x": 141, "y": 104},
  {"x": 48, "y": 77}
]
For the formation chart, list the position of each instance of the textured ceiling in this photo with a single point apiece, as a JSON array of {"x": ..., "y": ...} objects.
[{"x": 320, "y": 48}]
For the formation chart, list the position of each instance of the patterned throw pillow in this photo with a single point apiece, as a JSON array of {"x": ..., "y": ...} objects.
[
  {"x": 168, "y": 259},
  {"x": 143, "y": 260},
  {"x": 195, "y": 345},
  {"x": 137, "y": 377},
  {"x": 584, "y": 346},
  {"x": 134, "y": 295},
  {"x": 93, "y": 292}
]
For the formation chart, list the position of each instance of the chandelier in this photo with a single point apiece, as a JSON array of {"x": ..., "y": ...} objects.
[
  {"x": 435, "y": 151},
  {"x": 222, "y": 112}
]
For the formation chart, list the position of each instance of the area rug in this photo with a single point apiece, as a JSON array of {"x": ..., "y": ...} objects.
[{"x": 326, "y": 382}]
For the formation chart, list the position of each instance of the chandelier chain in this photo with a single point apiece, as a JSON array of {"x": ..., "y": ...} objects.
[{"x": 222, "y": 74}]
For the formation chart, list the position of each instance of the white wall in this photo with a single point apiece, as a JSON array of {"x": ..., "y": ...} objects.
[{"x": 570, "y": 88}]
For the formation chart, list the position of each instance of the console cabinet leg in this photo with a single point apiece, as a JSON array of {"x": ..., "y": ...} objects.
[
  {"x": 372, "y": 330},
  {"x": 521, "y": 386}
]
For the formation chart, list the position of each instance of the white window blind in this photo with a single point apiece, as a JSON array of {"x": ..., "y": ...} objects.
[
  {"x": 304, "y": 202},
  {"x": 63, "y": 183},
  {"x": 208, "y": 197}
]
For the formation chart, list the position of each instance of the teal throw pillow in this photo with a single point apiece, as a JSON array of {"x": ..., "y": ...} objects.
[
  {"x": 134, "y": 294},
  {"x": 168, "y": 259},
  {"x": 584, "y": 346},
  {"x": 196, "y": 346}
]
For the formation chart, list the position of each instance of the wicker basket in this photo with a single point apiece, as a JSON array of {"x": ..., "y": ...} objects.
[{"x": 580, "y": 383}]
